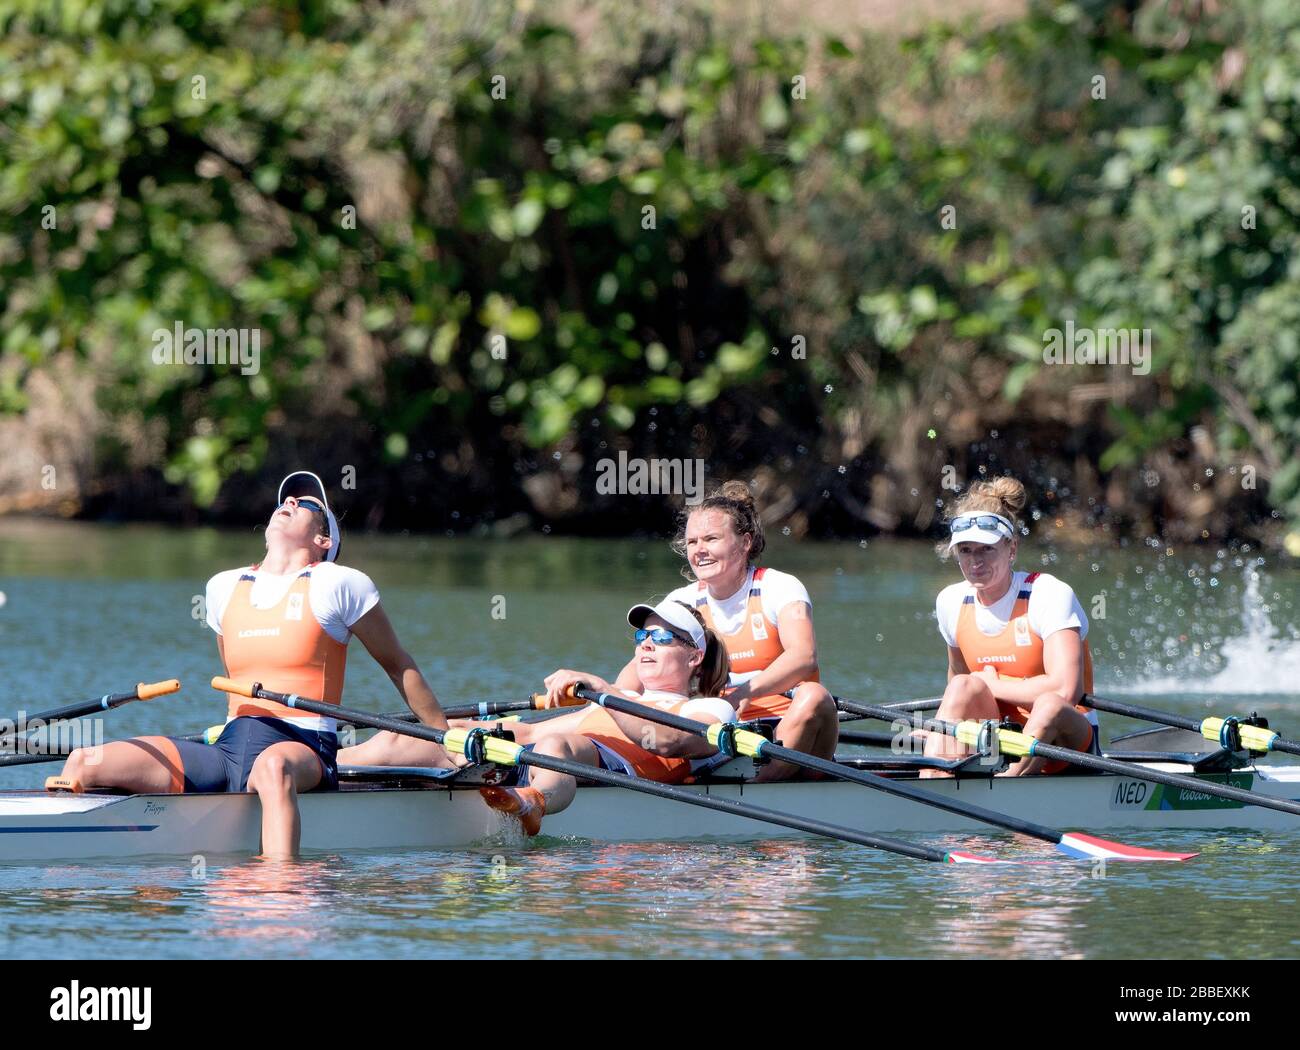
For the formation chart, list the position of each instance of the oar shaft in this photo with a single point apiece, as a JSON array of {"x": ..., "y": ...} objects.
[
  {"x": 1208, "y": 728},
  {"x": 143, "y": 691},
  {"x": 898, "y": 788},
  {"x": 604, "y": 776},
  {"x": 1102, "y": 764},
  {"x": 724, "y": 805},
  {"x": 485, "y": 709},
  {"x": 1145, "y": 714},
  {"x": 21, "y": 759}
]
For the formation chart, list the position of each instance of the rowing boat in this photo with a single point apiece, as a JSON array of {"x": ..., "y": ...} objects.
[{"x": 395, "y": 808}]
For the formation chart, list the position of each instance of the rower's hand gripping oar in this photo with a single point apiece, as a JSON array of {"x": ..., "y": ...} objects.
[
  {"x": 1231, "y": 734},
  {"x": 1021, "y": 745},
  {"x": 478, "y": 746},
  {"x": 731, "y": 740}
]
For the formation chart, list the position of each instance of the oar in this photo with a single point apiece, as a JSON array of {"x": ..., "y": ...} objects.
[
  {"x": 487, "y": 708},
  {"x": 477, "y": 746},
  {"x": 143, "y": 691},
  {"x": 208, "y": 736},
  {"x": 484, "y": 709},
  {"x": 1020, "y": 745},
  {"x": 731, "y": 740},
  {"x": 1220, "y": 730}
]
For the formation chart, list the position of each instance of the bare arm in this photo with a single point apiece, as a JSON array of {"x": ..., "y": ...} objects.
[
  {"x": 1063, "y": 660},
  {"x": 796, "y": 664},
  {"x": 662, "y": 740},
  {"x": 377, "y": 635}
]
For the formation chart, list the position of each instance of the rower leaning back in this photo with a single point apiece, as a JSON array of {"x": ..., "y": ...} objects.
[{"x": 285, "y": 623}]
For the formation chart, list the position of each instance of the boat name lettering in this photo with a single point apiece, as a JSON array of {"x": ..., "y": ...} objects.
[
  {"x": 1129, "y": 793},
  {"x": 75, "y": 1003},
  {"x": 151, "y": 807}
]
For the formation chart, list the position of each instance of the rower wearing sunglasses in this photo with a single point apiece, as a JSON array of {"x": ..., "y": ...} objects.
[
  {"x": 1016, "y": 640},
  {"x": 763, "y": 616},
  {"x": 682, "y": 667},
  {"x": 285, "y": 623}
]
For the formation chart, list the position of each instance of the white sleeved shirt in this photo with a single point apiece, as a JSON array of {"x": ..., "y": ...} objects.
[
  {"x": 779, "y": 589},
  {"x": 1052, "y": 607},
  {"x": 339, "y": 596}
]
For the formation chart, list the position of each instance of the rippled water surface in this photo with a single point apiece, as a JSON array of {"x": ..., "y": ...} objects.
[{"x": 93, "y": 609}]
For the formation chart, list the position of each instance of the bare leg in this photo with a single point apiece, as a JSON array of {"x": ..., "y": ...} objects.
[
  {"x": 1053, "y": 720},
  {"x": 394, "y": 749},
  {"x": 280, "y": 772},
  {"x": 965, "y": 698},
  {"x": 149, "y": 764},
  {"x": 811, "y": 724}
]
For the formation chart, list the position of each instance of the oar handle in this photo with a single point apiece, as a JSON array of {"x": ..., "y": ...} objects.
[
  {"x": 142, "y": 691},
  {"x": 150, "y": 690},
  {"x": 230, "y": 685},
  {"x": 571, "y": 697}
]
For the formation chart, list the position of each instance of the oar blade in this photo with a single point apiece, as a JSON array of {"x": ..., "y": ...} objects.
[
  {"x": 1089, "y": 847},
  {"x": 958, "y": 857}
]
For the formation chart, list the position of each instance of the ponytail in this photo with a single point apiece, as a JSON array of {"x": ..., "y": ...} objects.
[{"x": 714, "y": 673}]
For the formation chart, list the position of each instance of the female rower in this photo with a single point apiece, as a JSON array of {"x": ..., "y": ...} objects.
[
  {"x": 683, "y": 668},
  {"x": 286, "y": 623},
  {"x": 1015, "y": 639},
  {"x": 765, "y": 620}
]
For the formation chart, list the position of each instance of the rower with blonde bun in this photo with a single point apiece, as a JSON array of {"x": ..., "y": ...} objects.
[{"x": 1016, "y": 640}]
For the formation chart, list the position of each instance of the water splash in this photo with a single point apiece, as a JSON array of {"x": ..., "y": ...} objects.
[{"x": 1260, "y": 661}]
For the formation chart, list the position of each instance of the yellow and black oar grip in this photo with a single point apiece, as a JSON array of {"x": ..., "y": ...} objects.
[
  {"x": 468, "y": 742},
  {"x": 1252, "y": 738},
  {"x": 148, "y": 690},
  {"x": 732, "y": 741},
  {"x": 1009, "y": 741},
  {"x": 229, "y": 685}
]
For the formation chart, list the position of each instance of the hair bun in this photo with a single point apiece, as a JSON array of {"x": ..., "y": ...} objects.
[
  {"x": 1007, "y": 491},
  {"x": 735, "y": 490}
]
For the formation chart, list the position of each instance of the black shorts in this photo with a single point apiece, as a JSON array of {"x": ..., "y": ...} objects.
[{"x": 225, "y": 765}]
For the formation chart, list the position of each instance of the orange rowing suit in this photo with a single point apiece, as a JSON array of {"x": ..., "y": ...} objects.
[
  {"x": 599, "y": 726},
  {"x": 283, "y": 647},
  {"x": 1014, "y": 652},
  {"x": 751, "y": 647}
]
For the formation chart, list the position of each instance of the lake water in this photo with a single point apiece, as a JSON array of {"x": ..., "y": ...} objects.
[{"x": 93, "y": 609}]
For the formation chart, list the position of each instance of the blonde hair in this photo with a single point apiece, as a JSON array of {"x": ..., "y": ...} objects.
[
  {"x": 1005, "y": 496},
  {"x": 714, "y": 672},
  {"x": 735, "y": 500}
]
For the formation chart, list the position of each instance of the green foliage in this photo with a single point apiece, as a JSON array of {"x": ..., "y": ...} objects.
[{"x": 643, "y": 220}]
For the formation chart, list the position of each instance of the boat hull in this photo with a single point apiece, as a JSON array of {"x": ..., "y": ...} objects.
[{"x": 36, "y": 827}]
